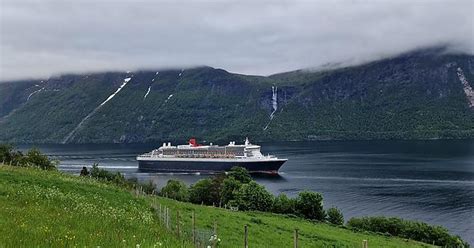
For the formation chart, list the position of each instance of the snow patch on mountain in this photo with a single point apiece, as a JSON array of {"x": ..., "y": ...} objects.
[
  {"x": 70, "y": 134},
  {"x": 468, "y": 91},
  {"x": 147, "y": 92},
  {"x": 125, "y": 81},
  {"x": 34, "y": 92},
  {"x": 169, "y": 97}
]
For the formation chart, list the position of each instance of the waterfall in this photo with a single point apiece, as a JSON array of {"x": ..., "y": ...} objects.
[
  {"x": 274, "y": 105},
  {"x": 274, "y": 101}
]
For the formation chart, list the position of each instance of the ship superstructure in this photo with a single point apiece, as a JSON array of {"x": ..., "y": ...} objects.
[{"x": 195, "y": 157}]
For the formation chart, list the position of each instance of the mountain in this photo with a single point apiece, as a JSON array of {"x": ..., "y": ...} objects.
[{"x": 424, "y": 94}]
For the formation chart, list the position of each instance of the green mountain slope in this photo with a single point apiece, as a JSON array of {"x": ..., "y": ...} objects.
[{"x": 418, "y": 95}]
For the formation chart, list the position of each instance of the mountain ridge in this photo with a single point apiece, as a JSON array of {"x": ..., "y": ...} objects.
[
  {"x": 417, "y": 95},
  {"x": 442, "y": 49}
]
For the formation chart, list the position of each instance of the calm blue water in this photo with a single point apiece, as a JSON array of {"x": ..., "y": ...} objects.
[{"x": 431, "y": 181}]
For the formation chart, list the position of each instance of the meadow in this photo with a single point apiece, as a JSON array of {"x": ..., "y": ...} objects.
[
  {"x": 47, "y": 208},
  {"x": 271, "y": 230}
]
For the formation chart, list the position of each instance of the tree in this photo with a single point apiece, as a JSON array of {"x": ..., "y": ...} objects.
[
  {"x": 230, "y": 187},
  {"x": 9, "y": 155},
  {"x": 310, "y": 205},
  {"x": 253, "y": 196},
  {"x": 335, "y": 216},
  {"x": 35, "y": 158},
  {"x": 217, "y": 182},
  {"x": 200, "y": 192},
  {"x": 240, "y": 174},
  {"x": 175, "y": 189},
  {"x": 284, "y": 205},
  {"x": 6, "y": 153}
]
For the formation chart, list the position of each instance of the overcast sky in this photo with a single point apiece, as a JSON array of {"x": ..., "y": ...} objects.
[{"x": 43, "y": 38}]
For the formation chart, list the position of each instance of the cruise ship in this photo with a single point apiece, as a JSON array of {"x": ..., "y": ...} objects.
[{"x": 194, "y": 157}]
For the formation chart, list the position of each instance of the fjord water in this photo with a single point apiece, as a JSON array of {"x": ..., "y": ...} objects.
[{"x": 431, "y": 181}]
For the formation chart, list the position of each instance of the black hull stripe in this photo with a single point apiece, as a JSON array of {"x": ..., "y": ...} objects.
[{"x": 198, "y": 166}]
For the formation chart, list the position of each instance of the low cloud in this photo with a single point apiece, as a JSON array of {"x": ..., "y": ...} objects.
[{"x": 43, "y": 38}]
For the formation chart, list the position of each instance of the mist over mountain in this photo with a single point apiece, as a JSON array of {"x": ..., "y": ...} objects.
[
  {"x": 424, "y": 94},
  {"x": 46, "y": 38}
]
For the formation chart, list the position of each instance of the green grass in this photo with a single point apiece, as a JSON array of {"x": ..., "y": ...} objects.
[
  {"x": 44, "y": 208},
  {"x": 273, "y": 230},
  {"x": 50, "y": 209}
]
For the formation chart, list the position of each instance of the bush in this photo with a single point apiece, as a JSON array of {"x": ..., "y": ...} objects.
[
  {"x": 148, "y": 188},
  {"x": 335, "y": 216},
  {"x": 118, "y": 179},
  {"x": 175, "y": 189},
  {"x": 284, "y": 205},
  {"x": 408, "y": 229},
  {"x": 310, "y": 205},
  {"x": 200, "y": 192},
  {"x": 84, "y": 172},
  {"x": 253, "y": 196},
  {"x": 240, "y": 174},
  {"x": 101, "y": 174},
  {"x": 105, "y": 175}
]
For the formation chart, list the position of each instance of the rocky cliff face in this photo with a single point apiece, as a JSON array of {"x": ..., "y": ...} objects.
[{"x": 423, "y": 94}]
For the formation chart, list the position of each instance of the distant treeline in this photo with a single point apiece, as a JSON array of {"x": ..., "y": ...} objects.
[
  {"x": 237, "y": 190},
  {"x": 391, "y": 135}
]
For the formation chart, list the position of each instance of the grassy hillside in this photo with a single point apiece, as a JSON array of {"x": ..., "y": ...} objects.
[
  {"x": 49, "y": 209},
  {"x": 44, "y": 208},
  {"x": 272, "y": 230}
]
